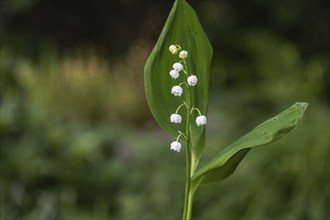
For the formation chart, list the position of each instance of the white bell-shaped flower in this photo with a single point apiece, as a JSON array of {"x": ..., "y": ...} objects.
[
  {"x": 178, "y": 67},
  {"x": 192, "y": 80},
  {"x": 174, "y": 74},
  {"x": 176, "y": 90},
  {"x": 201, "y": 120},
  {"x": 176, "y": 146},
  {"x": 173, "y": 49},
  {"x": 176, "y": 118},
  {"x": 183, "y": 54}
]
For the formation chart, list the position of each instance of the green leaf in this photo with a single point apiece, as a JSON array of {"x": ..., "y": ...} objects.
[
  {"x": 181, "y": 28},
  {"x": 225, "y": 163}
]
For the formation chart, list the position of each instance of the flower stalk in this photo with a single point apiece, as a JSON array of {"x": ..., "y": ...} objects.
[
  {"x": 190, "y": 80},
  {"x": 188, "y": 197}
]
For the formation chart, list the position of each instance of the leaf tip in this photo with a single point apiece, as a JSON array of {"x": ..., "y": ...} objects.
[{"x": 301, "y": 105}]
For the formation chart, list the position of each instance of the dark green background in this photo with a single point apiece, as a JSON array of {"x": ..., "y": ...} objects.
[{"x": 78, "y": 140}]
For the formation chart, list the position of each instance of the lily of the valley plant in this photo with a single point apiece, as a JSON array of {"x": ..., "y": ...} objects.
[{"x": 176, "y": 83}]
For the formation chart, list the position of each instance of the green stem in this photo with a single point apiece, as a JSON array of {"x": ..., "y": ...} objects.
[
  {"x": 190, "y": 202},
  {"x": 188, "y": 199}
]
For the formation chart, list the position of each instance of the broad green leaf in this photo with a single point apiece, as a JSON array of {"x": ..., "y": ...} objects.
[
  {"x": 225, "y": 163},
  {"x": 181, "y": 28}
]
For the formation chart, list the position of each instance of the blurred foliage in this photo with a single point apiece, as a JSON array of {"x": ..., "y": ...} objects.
[
  {"x": 86, "y": 79},
  {"x": 78, "y": 140}
]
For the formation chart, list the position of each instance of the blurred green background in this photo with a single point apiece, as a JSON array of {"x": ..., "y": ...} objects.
[{"x": 78, "y": 141}]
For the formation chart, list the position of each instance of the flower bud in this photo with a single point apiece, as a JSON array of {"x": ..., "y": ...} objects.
[
  {"x": 192, "y": 80},
  {"x": 176, "y": 90},
  {"x": 173, "y": 49},
  {"x": 174, "y": 74},
  {"x": 176, "y": 118},
  {"x": 183, "y": 54},
  {"x": 176, "y": 146},
  {"x": 201, "y": 120},
  {"x": 178, "y": 67}
]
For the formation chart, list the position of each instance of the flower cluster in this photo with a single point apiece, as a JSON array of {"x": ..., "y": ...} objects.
[{"x": 177, "y": 90}]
